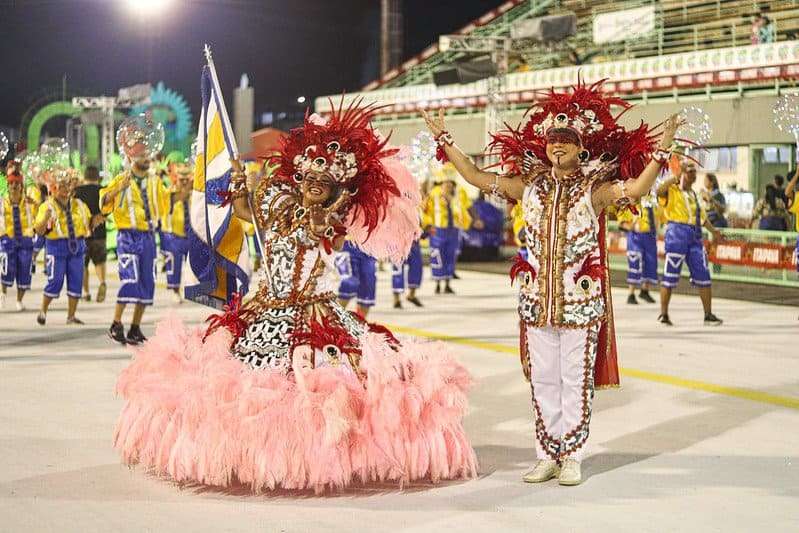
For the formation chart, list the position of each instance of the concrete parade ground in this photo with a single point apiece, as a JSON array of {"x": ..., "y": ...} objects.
[{"x": 702, "y": 436}]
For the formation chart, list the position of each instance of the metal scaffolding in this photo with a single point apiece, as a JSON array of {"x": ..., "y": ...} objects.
[{"x": 106, "y": 105}]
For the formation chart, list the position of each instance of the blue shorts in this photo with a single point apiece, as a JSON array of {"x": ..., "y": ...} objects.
[
  {"x": 642, "y": 258},
  {"x": 684, "y": 245},
  {"x": 358, "y": 275},
  {"x": 174, "y": 249},
  {"x": 136, "y": 254},
  {"x": 16, "y": 262},
  {"x": 62, "y": 261},
  {"x": 444, "y": 245},
  {"x": 410, "y": 269},
  {"x": 38, "y": 244}
]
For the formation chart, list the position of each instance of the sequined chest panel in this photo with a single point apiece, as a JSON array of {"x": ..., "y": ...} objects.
[{"x": 562, "y": 235}]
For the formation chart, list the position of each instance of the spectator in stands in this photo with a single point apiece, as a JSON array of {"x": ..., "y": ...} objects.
[
  {"x": 770, "y": 211},
  {"x": 767, "y": 33},
  {"x": 579, "y": 57},
  {"x": 757, "y": 24},
  {"x": 89, "y": 193},
  {"x": 715, "y": 203}
]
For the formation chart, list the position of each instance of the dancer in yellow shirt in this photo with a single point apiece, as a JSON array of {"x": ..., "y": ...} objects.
[
  {"x": 135, "y": 198},
  {"x": 176, "y": 227},
  {"x": 17, "y": 213},
  {"x": 65, "y": 223},
  {"x": 446, "y": 214},
  {"x": 685, "y": 218},
  {"x": 642, "y": 248}
]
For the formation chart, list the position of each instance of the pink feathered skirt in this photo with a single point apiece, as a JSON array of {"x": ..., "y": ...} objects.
[{"x": 196, "y": 414}]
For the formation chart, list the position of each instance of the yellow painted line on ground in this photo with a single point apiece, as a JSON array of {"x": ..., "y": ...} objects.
[{"x": 735, "y": 392}]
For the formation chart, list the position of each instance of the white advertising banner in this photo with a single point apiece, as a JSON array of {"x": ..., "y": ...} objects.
[{"x": 624, "y": 25}]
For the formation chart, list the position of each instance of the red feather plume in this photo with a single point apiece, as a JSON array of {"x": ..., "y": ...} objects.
[
  {"x": 351, "y": 127},
  {"x": 383, "y": 330},
  {"x": 233, "y": 318},
  {"x": 520, "y": 266},
  {"x": 592, "y": 267},
  {"x": 631, "y": 148},
  {"x": 324, "y": 331}
]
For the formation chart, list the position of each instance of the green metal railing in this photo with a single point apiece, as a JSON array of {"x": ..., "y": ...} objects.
[
  {"x": 738, "y": 273},
  {"x": 422, "y": 73},
  {"x": 669, "y": 37}
]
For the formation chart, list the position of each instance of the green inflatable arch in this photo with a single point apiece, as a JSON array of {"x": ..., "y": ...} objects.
[{"x": 57, "y": 109}]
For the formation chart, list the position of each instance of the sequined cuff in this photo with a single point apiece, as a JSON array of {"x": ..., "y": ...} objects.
[
  {"x": 238, "y": 182},
  {"x": 494, "y": 188},
  {"x": 236, "y": 189},
  {"x": 662, "y": 156},
  {"x": 624, "y": 201}
]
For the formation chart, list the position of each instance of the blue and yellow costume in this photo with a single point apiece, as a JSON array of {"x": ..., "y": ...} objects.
[
  {"x": 175, "y": 228},
  {"x": 409, "y": 273},
  {"x": 795, "y": 210},
  {"x": 358, "y": 271},
  {"x": 16, "y": 242},
  {"x": 136, "y": 216},
  {"x": 684, "y": 216},
  {"x": 446, "y": 217},
  {"x": 642, "y": 242},
  {"x": 65, "y": 244}
]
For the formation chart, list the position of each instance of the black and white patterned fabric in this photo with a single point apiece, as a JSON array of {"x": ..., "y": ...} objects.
[{"x": 266, "y": 342}]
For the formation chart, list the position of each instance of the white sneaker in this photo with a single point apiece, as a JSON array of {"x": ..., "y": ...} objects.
[
  {"x": 20, "y": 306},
  {"x": 570, "y": 473},
  {"x": 176, "y": 297},
  {"x": 544, "y": 470}
]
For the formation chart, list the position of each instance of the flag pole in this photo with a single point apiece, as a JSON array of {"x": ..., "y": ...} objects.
[{"x": 234, "y": 162}]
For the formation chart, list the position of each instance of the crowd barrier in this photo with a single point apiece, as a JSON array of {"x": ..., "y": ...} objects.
[{"x": 743, "y": 255}]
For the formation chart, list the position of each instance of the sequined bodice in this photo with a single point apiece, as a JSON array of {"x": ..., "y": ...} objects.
[
  {"x": 562, "y": 236},
  {"x": 294, "y": 266}
]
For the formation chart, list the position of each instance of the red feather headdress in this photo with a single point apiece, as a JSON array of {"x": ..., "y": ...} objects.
[
  {"x": 586, "y": 111},
  {"x": 345, "y": 148}
]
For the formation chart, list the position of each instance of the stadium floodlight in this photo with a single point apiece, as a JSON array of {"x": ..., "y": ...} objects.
[
  {"x": 145, "y": 8},
  {"x": 300, "y": 99}
]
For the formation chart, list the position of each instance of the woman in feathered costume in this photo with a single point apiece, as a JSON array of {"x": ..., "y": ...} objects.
[
  {"x": 289, "y": 390},
  {"x": 569, "y": 162}
]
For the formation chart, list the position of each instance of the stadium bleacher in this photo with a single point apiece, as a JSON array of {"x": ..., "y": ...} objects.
[{"x": 681, "y": 26}]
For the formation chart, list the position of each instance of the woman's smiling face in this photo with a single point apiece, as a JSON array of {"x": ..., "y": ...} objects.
[{"x": 317, "y": 188}]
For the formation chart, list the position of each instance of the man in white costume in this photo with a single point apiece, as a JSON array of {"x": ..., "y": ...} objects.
[{"x": 566, "y": 165}]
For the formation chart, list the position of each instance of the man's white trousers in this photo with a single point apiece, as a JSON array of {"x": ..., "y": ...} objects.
[{"x": 562, "y": 380}]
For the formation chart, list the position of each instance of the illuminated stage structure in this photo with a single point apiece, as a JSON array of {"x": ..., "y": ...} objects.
[{"x": 91, "y": 120}]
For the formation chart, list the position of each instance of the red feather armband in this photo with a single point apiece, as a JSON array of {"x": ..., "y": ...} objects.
[{"x": 443, "y": 139}]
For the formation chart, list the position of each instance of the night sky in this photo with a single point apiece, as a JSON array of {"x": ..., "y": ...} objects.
[{"x": 287, "y": 47}]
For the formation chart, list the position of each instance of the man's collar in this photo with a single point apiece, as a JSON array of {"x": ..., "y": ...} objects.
[{"x": 576, "y": 174}]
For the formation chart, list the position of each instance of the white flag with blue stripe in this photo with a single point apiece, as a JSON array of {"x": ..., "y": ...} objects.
[{"x": 218, "y": 253}]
